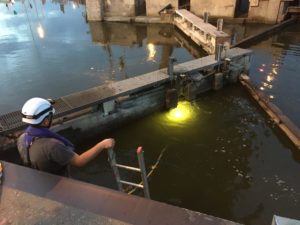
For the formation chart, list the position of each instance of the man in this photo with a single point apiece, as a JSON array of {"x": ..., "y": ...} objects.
[{"x": 45, "y": 150}]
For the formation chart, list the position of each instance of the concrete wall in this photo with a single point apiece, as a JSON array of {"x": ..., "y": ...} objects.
[
  {"x": 216, "y": 8},
  {"x": 153, "y": 7},
  {"x": 97, "y": 9},
  {"x": 264, "y": 11},
  {"x": 94, "y": 9},
  {"x": 119, "y": 7}
]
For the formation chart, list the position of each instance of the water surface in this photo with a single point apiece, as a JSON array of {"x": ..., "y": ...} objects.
[{"x": 221, "y": 155}]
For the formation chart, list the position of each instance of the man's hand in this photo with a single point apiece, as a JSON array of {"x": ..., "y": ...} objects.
[
  {"x": 108, "y": 143},
  {"x": 85, "y": 157}
]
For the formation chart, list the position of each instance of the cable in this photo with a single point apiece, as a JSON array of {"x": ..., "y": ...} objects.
[{"x": 150, "y": 173}]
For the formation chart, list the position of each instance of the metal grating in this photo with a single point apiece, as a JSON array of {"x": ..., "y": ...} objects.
[
  {"x": 11, "y": 121},
  {"x": 61, "y": 107}
]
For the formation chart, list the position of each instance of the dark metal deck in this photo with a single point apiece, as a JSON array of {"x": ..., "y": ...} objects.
[
  {"x": 84, "y": 99},
  {"x": 29, "y": 191}
]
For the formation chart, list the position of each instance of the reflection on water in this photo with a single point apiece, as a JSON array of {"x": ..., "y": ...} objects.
[
  {"x": 275, "y": 70},
  {"x": 152, "y": 52},
  {"x": 49, "y": 50}
]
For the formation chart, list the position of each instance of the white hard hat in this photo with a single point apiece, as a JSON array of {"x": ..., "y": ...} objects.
[{"x": 35, "y": 110}]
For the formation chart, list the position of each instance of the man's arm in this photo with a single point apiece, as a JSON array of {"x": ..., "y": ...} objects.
[{"x": 87, "y": 156}]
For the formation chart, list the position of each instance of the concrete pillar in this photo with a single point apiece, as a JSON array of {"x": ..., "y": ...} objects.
[{"x": 95, "y": 10}]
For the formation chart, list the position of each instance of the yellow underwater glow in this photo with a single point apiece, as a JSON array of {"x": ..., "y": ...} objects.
[{"x": 181, "y": 113}]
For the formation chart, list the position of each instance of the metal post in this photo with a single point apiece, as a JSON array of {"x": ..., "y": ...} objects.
[
  {"x": 218, "y": 52},
  {"x": 112, "y": 162},
  {"x": 171, "y": 67},
  {"x": 220, "y": 24},
  {"x": 205, "y": 17},
  {"x": 140, "y": 156}
]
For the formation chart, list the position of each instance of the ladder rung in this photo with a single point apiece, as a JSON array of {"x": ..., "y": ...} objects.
[
  {"x": 128, "y": 167},
  {"x": 132, "y": 184}
]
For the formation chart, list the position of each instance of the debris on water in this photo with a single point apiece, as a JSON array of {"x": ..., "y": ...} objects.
[
  {"x": 92, "y": 68},
  {"x": 239, "y": 174},
  {"x": 280, "y": 182},
  {"x": 223, "y": 151}
]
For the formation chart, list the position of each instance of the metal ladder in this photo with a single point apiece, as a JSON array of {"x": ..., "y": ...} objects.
[{"x": 142, "y": 169}]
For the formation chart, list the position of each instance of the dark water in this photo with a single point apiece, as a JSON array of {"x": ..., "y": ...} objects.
[{"x": 221, "y": 154}]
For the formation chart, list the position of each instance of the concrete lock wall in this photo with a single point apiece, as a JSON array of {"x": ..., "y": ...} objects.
[
  {"x": 119, "y": 7},
  {"x": 216, "y": 8},
  {"x": 94, "y": 9},
  {"x": 153, "y": 7},
  {"x": 264, "y": 11}
]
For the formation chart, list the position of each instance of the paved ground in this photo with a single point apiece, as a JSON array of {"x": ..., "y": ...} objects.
[
  {"x": 33, "y": 197},
  {"x": 17, "y": 207}
]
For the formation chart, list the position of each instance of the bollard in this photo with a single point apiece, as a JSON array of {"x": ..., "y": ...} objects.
[
  {"x": 205, "y": 17},
  {"x": 220, "y": 24}
]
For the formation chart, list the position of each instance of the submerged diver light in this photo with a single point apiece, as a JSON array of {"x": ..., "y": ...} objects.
[{"x": 181, "y": 113}]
